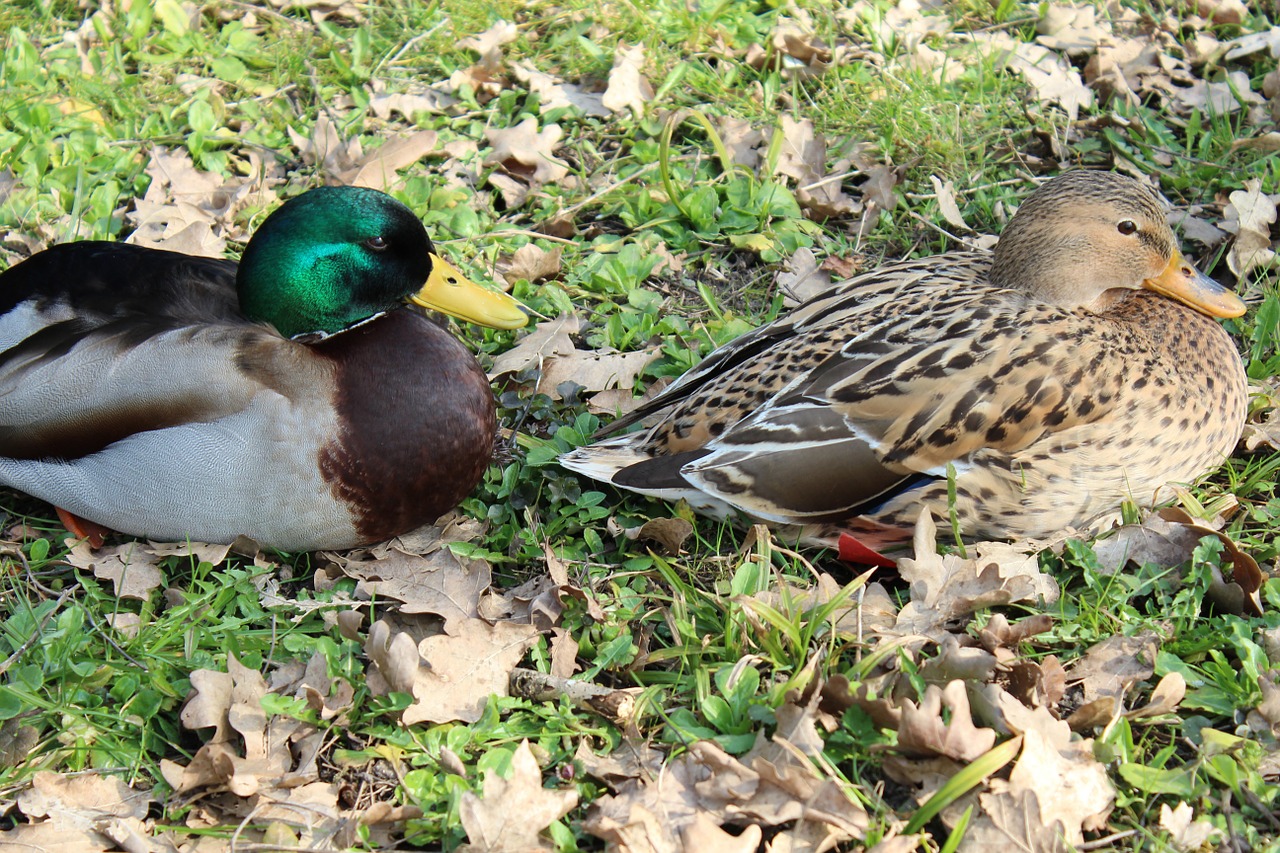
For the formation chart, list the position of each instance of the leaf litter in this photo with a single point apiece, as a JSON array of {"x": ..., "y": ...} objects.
[{"x": 450, "y": 641}]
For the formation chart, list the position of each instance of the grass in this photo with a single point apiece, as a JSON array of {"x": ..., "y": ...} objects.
[{"x": 710, "y": 661}]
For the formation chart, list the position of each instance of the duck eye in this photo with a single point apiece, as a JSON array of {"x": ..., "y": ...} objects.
[
  {"x": 377, "y": 244},
  {"x": 1127, "y": 226}
]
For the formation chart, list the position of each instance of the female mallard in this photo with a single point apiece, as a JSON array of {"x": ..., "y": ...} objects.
[
  {"x": 291, "y": 399},
  {"x": 1075, "y": 368}
]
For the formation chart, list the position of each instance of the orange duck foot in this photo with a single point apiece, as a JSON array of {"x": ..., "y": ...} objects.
[
  {"x": 83, "y": 528},
  {"x": 853, "y": 550}
]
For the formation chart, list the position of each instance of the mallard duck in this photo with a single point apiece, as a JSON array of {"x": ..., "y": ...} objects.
[
  {"x": 293, "y": 398},
  {"x": 1075, "y": 368}
]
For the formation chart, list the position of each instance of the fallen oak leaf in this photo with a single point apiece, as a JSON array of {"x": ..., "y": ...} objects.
[
  {"x": 923, "y": 732},
  {"x": 132, "y": 568},
  {"x": 440, "y": 583},
  {"x": 1184, "y": 834},
  {"x": 547, "y": 340},
  {"x": 530, "y": 262},
  {"x": 945, "y": 193},
  {"x": 1168, "y": 538},
  {"x": 1052, "y": 77},
  {"x": 595, "y": 370},
  {"x": 628, "y": 89},
  {"x": 527, "y": 152},
  {"x": 492, "y": 39},
  {"x": 512, "y": 813},
  {"x": 462, "y": 671},
  {"x": 1165, "y": 698},
  {"x": 379, "y": 168},
  {"x": 1250, "y": 215},
  {"x": 414, "y": 98},
  {"x": 554, "y": 93},
  {"x": 800, "y": 278},
  {"x": 670, "y": 533}
]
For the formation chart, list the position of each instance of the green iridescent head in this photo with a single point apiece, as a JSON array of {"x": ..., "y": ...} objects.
[{"x": 335, "y": 256}]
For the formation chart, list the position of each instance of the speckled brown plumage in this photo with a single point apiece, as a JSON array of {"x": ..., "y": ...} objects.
[{"x": 1056, "y": 394}]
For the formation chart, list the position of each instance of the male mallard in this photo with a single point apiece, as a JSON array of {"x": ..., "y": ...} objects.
[
  {"x": 1075, "y": 368},
  {"x": 291, "y": 399}
]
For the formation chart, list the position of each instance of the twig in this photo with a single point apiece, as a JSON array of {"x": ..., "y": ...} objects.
[
  {"x": 1099, "y": 843},
  {"x": 918, "y": 218},
  {"x": 37, "y": 634},
  {"x": 391, "y": 60},
  {"x": 106, "y": 636}
]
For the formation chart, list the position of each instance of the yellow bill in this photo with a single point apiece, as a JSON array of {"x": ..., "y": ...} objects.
[
  {"x": 1183, "y": 282},
  {"x": 450, "y": 292}
]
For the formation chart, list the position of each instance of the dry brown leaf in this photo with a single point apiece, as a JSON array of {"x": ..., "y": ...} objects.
[
  {"x": 1251, "y": 43},
  {"x": 1052, "y": 77},
  {"x": 322, "y": 10},
  {"x": 1216, "y": 97},
  {"x": 326, "y": 148},
  {"x": 923, "y": 732},
  {"x": 1169, "y": 538},
  {"x": 512, "y": 813},
  {"x": 1111, "y": 667},
  {"x": 81, "y": 803},
  {"x": 395, "y": 656},
  {"x": 803, "y": 158},
  {"x": 742, "y": 139},
  {"x": 797, "y": 48},
  {"x": 894, "y": 844},
  {"x": 1223, "y": 11},
  {"x": 628, "y": 89},
  {"x": 191, "y": 211},
  {"x": 410, "y": 99},
  {"x": 527, "y": 152},
  {"x": 48, "y": 837},
  {"x": 670, "y": 533},
  {"x": 705, "y": 834},
  {"x": 1186, "y": 835},
  {"x": 595, "y": 370},
  {"x": 485, "y": 78},
  {"x": 530, "y": 262},
  {"x": 946, "y": 588},
  {"x": 267, "y": 744},
  {"x": 998, "y": 633},
  {"x": 801, "y": 278},
  {"x": 707, "y": 783},
  {"x": 1006, "y": 821},
  {"x": 1071, "y": 784},
  {"x": 537, "y": 602},
  {"x": 132, "y": 568},
  {"x": 554, "y": 93},
  {"x": 208, "y": 703},
  {"x": 548, "y": 340},
  {"x": 631, "y": 760},
  {"x": 1165, "y": 698},
  {"x": 615, "y": 402},
  {"x": 1249, "y": 216},
  {"x": 378, "y": 169},
  {"x": 16, "y": 742},
  {"x": 1074, "y": 30},
  {"x": 1131, "y": 68},
  {"x": 1266, "y": 143},
  {"x": 954, "y": 662},
  {"x": 440, "y": 583},
  {"x": 945, "y": 192},
  {"x": 879, "y": 189},
  {"x": 1194, "y": 227},
  {"x": 462, "y": 671},
  {"x": 492, "y": 39}
]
